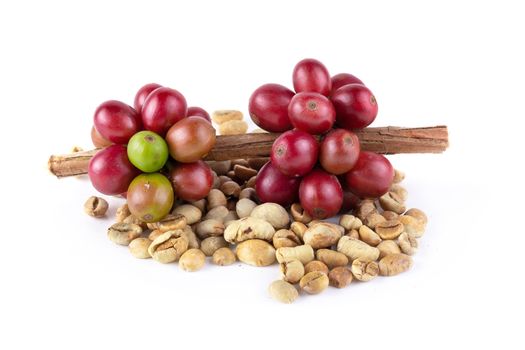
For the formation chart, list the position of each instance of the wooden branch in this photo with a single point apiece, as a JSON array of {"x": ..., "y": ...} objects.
[{"x": 385, "y": 140}]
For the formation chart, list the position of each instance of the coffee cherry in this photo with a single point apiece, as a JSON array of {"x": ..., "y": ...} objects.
[
  {"x": 150, "y": 197},
  {"x": 116, "y": 121},
  {"x": 110, "y": 170},
  {"x": 273, "y": 186},
  {"x": 190, "y": 139},
  {"x": 339, "y": 151},
  {"x": 371, "y": 176},
  {"x": 311, "y": 112},
  {"x": 191, "y": 181},
  {"x": 310, "y": 75},
  {"x": 321, "y": 194},
  {"x": 343, "y": 79},
  {"x": 198, "y": 112},
  {"x": 142, "y": 94},
  {"x": 268, "y": 107},
  {"x": 147, "y": 151},
  {"x": 294, "y": 153},
  {"x": 98, "y": 140},
  {"x": 355, "y": 106},
  {"x": 163, "y": 108}
]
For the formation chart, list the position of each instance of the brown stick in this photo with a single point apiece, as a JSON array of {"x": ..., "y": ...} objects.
[{"x": 385, "y": 140}]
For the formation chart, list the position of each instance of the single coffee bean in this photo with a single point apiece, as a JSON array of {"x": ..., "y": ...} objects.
[
  {"x": 96, "y": 207},
  {"x": 123, "y": 233}
]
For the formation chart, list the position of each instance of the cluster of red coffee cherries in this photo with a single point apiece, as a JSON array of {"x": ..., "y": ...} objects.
[{"x": 327, "y": 172}]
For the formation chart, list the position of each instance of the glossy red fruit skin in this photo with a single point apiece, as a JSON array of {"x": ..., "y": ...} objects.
[
  {"x": 190, "y": 139},
  {"x": 295, "y": 153},
  {"x": 339, "y": 151},
  {"x": 98, "y": 140},
  {"x": 198, "y": 112},
  {"x": 116, "y": 121},
  {"x": 311, "y": 112},
  {"x": 163, "y": 108},
  {"x": 343, "y": 79},
  {"x": 191, "y": 181},
  {"x": 371, "y": 177},
  {"x": 310, "y": 75},
  {"x": 110, "y": 171},
  {"x": 273, "y": 186},
  {"x": 268, "y": 107},
  {"x": 321, "y": 194},
  {"x": 355, "y": 106},
  {"x": 143, "y": 93}
]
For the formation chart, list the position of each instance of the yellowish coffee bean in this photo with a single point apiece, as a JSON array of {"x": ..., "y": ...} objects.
[
  {"x": 217, "y": 213},
  {"x": 223, "y": 256},
  {"x": 373, "y": 219},
  {"x": 139, "y": 248},
  {"x": 364, "y": 270},
  {"x": 193, "y": 240},
  {"x": 256, "y": 252},
  {"x": 192, "y": 260},
  {"x": 393, "y": 202},
  {"x": 96, "y": 207},
  {"x": 412, "y": 225},
  {"x": 291, "y": 271},
  {"x": 400, "y": 191},
  {"x": 394, "y": 264},
  {"x": 170, "y": 223},
  {"x": 354, "y": 234},
  {"x": 388, "y": 247},
  {"x": 350, "y": 222},
  {"x": 316, "y": 265},
  {"x": 122, "y": 213},
  {"x": 298, "y": 228},
  {"x": 123, "y": 233},
  {"x": 365, "y": 208},
  {"x": 233, "y": 127},
  {"x": 418, "y": 214},
  {"x": 321, "y": 235},
  {"x": 390, "y": 229},
  {"x": 209, "y": 228},
  {"x": 398, "y": 176},
  {"x": 355, "y": 249},
  {"x": 314, "y": 282},
  {"x": 248, "y": 228},
  {"x": 230, "y": 188},
  {"x": 303, "y": 253},
  {"x": 169, "y": 246},
  {"x": 340, "y": 277},
  {"x": 408, "y": 243},
  {"x": 285, "y": 238},
  {"x": 211, "y": 244},
  {"x": 283, "y": 291},
  {"x": 190, "y": 212},
  {"x": 390, "y": 215},
  {"x": 216, "y": 198},
  {"x": 272, "y": 213},
  {"x": 299, "y": 214},
  {"x": 331, "y": 258},
  {"x": 225, "y": 115},
  {"x": 244, "y": 207},
  {"x": 368, "y": 236}
]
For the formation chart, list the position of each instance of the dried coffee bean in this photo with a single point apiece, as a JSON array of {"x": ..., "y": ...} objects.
[
  {"x": 244, "y": 172},
  {"x": 190, "y": 212},
  {"x": 244, "y": 207},
  {"x": 299, "y": 214},
  {"x": 122, "y": 213},
  {"x": 373, "y": 219},
  {"x": 390, "y": 215},
  {"x": 390, "y": 229},
  {"x": 283, "y": 291},
  {"x": 272, "y": 213},
  {"x": 131, "y": 219},
  {"x": 224, "y": 178},
  {"x": 154, "y": 234},
  {"x": 365, "y": 208},
  {"x": 96, "y": 207},
  {"x": 231, "y": 188},
  {"x": 139, "y": 247},
  {"x": 354, "y": 234},
  {"x": 209, "y": 228},
  {"x": 232, "y": 202},
  {"x": 400, "y": 191},
  {"x": 298, "y": 228},
  {"x": 412, "y": 225},
  {"x": 388, "y": 247},
  {"x": 321, "y": 235},
  {"x": 192, "y": 260},
  {"x": 256, "y": 252},
  {"x": 285, "y": 238},
  {"x": 220, "y": 167},
  {"x": 391, "y": 201},
  {"x": 331, "y": 258},
  {"x": 169, "y": 223},
  {"x": 408, "y": 243},
  {"x": 223, "y": 256},
  {"x": 314, "y": 282},
  {"x": 398, "y": 176},
  {"x": 123, "y": 233},
  {"x": 200, "y": 204},
  {"x": 303, "y": 253},
  {"x": 216, "y": 199},
  {"x": 316, "y": 265},
  {"x": 249, "y": 193},
  {"x": 340, "y": 277},
  {"x": 251, "y": 182},
  {"x": 394, "y": 264},
  {"x": 216, "y": 182},
  {"x": 231, "y": 175},
  {"x": 364, "y": 270},
  {"x": 169, "y": 246},
  {"x": 368, "y": 236},
  {"x": 257, "y": 163},
  {"x": 193, "y": 240},
  {"x": 233, "y": 127},
  {"x": 248, "y": 228},
  {"x": 226, "y": 115},
  {"x": 240, "y": 161},
  {"x": 418, "y": 214},
  {"x": 217, "y": 213},
  {"x": 355, "y": 249},
  {"x": 232, "y": 216},
  {"x": 211, "y": 244},
  {"x": 350, "y": 222},
  {"x": 291, "y": 271}
]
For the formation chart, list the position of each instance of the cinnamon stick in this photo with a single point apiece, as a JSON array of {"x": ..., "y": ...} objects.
[{"x": 384, "y": 140}]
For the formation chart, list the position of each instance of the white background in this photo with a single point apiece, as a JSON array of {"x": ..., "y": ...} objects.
[{"x": 64, "y": 285}]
